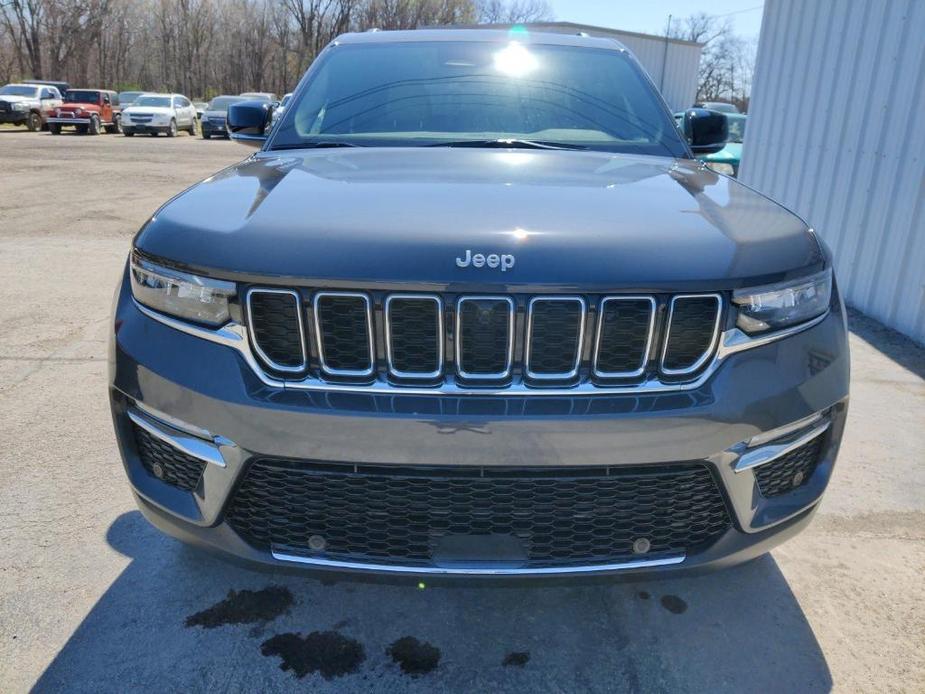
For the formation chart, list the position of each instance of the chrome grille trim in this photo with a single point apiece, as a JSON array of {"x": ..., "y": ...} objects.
[
  {"x": 354, "y": 373},
  {"x": 713, "y": 340},
  {"x": 597, "y": 340},
  {"x": 458, "y": 339},
  {"x": 253, "y": 337},
  {"x": 233, "y": 335},
  {"x": 281, "y": 554},
  {"x": 573, "y": 372},
  {"x": 438, "y": 372}
]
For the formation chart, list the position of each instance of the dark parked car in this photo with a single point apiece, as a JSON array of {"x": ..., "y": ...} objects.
[
  {"x": 213, "y": 117},
  {"x": 128, "y": 98},
  {"x": 474, "y": 309}
]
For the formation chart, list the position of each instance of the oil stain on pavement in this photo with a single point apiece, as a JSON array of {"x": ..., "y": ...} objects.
[
  {"x": 413, "y": 656},
  {"x": 674, "y": 604},
  {"x": 516, "y": 659},
  {"x": 244, "y": 607},
  {"x": 326, "y": 652}
]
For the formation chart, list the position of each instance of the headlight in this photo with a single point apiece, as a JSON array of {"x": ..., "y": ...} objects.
[
  {"x": 20, "y": 106},
  {"x": 78, "y": 112},
  {"x": 186, "y": 296},
  {"x": 776, "y": 306},
  {"x": 725, "y": 169}
]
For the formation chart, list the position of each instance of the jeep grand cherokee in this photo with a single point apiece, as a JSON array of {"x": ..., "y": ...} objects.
[{"x": 474, "y": 309}]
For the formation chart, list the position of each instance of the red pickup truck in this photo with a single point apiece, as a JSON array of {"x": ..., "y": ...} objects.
[{"x": 88, "y": 111}]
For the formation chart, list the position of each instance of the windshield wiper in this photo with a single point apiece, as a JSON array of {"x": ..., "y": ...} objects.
[
  {"x": 316, "y": 145},
  {"x": 505, "y": 143}
]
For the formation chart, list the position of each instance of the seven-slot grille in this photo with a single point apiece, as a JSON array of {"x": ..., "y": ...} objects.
[
  {"x": 423, "y": 339},
  {"x": 543, "y": 516}
]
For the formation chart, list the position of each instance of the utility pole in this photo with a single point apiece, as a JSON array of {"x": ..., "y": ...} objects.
[{"x": 661, "y": 80}]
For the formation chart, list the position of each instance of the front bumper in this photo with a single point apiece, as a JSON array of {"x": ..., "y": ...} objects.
[
  {"x": 176, "y": 381},
  {"x": 68, "y": 121},
  {"x": 15, "y": 117},
  {"x": 209, "y": 128},
  {"x": 144, "y": 128}
]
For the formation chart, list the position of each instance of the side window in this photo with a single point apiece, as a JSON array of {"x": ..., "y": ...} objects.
[
  {"x": 176, "y": 102},
  {"x": 46, "y": 94},
  {"x": 184, "y": 102}
]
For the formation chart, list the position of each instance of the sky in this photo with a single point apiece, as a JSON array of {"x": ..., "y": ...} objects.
[{"x": 650, "y": 16}]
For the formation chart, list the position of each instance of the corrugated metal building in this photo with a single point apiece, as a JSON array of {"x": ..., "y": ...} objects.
[
  {"x": 836, "y": 132},
  {"x": 671, "y": 63}
]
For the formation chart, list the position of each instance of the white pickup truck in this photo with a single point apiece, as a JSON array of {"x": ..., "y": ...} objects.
[{"x": 28, "y": 104}]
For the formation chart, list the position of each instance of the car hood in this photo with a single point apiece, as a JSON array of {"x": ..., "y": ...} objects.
[
  {"x": 13, "y": 99},
  {"x": 157, "y": 110},
  {"x": 214, "y": 114},
  {"x": 73, "y": 106},
  {"x": 404, "y": 215}
]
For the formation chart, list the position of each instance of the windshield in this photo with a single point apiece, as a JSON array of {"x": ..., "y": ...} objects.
[
  {"x": 736, "y": 128},
  {"x": 16, "y": 90},
  {"x": 428, "y": 93},
  {"x": 221, "y": 103},
  {"x": 74, "y": 96},
  {"x": 127, "y": 98},
  {"x": 161, "y": 101}
]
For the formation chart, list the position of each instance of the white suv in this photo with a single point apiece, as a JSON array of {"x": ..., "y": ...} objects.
[{"x": 159, "y": 113}]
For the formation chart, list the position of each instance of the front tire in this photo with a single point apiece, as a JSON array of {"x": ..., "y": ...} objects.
[
  {"x": 116, "y": 126},
  {"x": 192, "y": 128},
  {"x": 54, "y": 128},
  {"x": 34, "y": 122},
  {"x": 172, "y": 129},
  {"x": 128, "y": 133},
  {"x": 94, "y": 127}
]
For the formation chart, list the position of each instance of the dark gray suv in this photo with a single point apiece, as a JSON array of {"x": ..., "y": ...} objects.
[{"x": 473, "y": 308}]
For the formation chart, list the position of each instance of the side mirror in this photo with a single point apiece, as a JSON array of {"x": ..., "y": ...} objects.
[
  {"x": 249, "y": 121},
  {"x": 706, "y": 131}
]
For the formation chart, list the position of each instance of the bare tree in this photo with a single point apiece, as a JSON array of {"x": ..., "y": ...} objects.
[
  {"x": 727, "y": 61},
  {"x": 206, "y": 47},
  {"x": 514, "y": 12}
]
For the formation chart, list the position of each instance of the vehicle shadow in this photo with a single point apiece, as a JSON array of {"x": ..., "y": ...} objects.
[
  {"x": 719, "y": 632},
  {"x": 891, "y": 343}
]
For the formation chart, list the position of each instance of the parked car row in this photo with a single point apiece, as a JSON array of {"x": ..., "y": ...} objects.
[{"x": 54, "y": 106}]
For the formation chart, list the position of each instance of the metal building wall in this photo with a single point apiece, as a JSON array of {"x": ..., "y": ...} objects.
[
  {"x": 836, "y": 132},
  {"x": 681, "y": 60}
]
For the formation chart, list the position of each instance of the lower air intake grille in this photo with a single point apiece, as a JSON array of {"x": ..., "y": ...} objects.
[
  {"x": 693, "y": 323},
  {"x": 166, "y": 462},
  {"x": 789, "y": 471},
  {"x": 408, "y": 516}
]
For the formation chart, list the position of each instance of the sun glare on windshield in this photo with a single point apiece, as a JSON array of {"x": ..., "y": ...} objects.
[{"x": 515, "y": 61}]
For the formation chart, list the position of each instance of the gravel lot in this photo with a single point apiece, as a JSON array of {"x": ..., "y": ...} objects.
[{"x": 93, "y": 599}]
